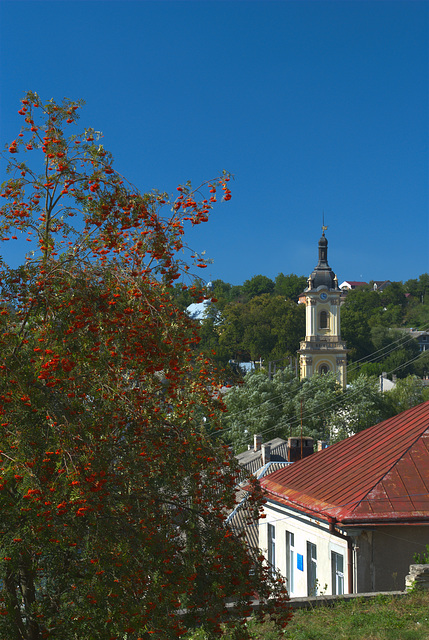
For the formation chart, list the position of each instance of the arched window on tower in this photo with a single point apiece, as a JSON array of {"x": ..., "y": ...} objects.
[
  {"x": 323, "y": 369},
  {"x": 324, "y": 320}
]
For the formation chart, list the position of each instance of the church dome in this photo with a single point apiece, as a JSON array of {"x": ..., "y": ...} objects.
[{"x": 323, "y": 274}]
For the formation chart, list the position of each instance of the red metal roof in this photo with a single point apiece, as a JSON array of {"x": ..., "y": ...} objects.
[
  {"x": 354, "y": 283},
  {"x": 379, "y": 475}
]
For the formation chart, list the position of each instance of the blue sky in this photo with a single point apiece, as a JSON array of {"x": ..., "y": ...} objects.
[{"x": 313, "y": 106}]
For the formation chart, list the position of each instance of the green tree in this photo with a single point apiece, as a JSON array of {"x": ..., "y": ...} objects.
[
  {"x": 113, "y": 497},
  {"x": 224, "y": 293},
  {"x": 394, "y": 352},
  {"x": 255, "y": 406},
  {"x": 267, "y": 327},
  {"x": 285, "y": 406},
  {"x": 316, "y": 400},
  {"x": 257, "y": 286},
  {"x": 407, "y": 393},
  {"x": 290, "y": 286},
  {"x": 417, "y": 311},
  {"x": 362, "y": 405},
  {"x": 394, "y": 294},
  {"x": 356, "y": 314}
]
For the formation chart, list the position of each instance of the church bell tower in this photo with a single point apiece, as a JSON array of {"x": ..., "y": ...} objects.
[{"x": 323, "y": 350}]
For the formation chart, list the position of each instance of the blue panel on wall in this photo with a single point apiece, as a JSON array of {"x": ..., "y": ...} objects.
[{"x": 300, "y": 562}]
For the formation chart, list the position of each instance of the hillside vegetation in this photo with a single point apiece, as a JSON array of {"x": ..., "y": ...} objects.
[{"x": 260, "y": 320}]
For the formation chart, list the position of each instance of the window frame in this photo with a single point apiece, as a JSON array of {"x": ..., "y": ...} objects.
[
  {"x": 337, "y": 573},
  {"x": 271, "y": 537},
  {"x": 311, "y": 569},
  {"x": 290, "y": 560}
]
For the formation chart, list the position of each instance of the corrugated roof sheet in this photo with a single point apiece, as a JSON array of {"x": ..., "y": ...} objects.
[
  {"x": 252, "y": 460},
  {"x": 242, "y": 518},
  {"x": 378, "y": 475}
]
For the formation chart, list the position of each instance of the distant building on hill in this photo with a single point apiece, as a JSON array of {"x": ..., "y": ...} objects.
[
  {"x": 380, "y": 285},
  {"x": 351, "y": 285},
  {"x": 198, "y": 310},
  {"x": 323, "y": 350},
  {"x": 348, "y": 285}
]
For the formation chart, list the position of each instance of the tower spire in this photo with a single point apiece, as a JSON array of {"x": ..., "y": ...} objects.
[{"x": 323, "y": 224}]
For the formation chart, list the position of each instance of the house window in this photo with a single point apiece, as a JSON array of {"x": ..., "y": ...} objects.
[
  {"x": 323, "y": 369},
  {"x": 337, "y": 570},
  {"x": 290, "y": 561},
  {"x": 311, "y": 569},
  {"x": 324, "y": 320},
  {"x": 272, "y": 546}
]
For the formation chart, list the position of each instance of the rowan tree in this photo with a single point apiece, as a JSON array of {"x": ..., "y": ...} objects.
[{"x": 113, "y": 499}]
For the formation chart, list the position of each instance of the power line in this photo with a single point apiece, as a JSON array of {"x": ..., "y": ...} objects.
[
  {"x": 367, "y": 359},
  {"x": 308, "y": 414},
  {"x": 343, "y": 399}
]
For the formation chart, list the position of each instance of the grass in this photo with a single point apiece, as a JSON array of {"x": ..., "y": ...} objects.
[{"x": 380, "y": 618}]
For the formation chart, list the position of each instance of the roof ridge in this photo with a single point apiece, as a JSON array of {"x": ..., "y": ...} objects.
[
  {"x": 396, "y": 460},
  {"x": 343, "y": 480}
]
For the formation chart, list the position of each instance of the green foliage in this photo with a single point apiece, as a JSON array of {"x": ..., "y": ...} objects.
[
  {"x": 362, "y": 406},
  {"x": 417, "y": 313},
  {"x": 290, "y": 286},
  {"x": 257, "y": 286},
  {"x": 277, "y": 407},
  {"x": 394, "y": 294},
  {"x": 406, "y": 394},
  {"x": 418, "y": 288},
  {"x": 265, "y": 327},
  {"x": 422, "y": 558},
  {"x": 393, "y": 349},
  {"x": 356, "y": 313},
  {"x": 256, "y": 407},
  {"x": 224, "y": 293},
  {"x": 368, "y": 319}
]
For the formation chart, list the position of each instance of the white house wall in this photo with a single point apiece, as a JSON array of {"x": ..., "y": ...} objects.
[{"x": 304, "y": 529}]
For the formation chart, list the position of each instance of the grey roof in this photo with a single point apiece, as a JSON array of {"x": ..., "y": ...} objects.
[
  {"x": 252, "y": 460},
  {"x": 242, "y": 519},
  {"x": 381, "y": 284}
]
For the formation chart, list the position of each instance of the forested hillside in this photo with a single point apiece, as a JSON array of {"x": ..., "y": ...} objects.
[{"x": 260, "y": 320}]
